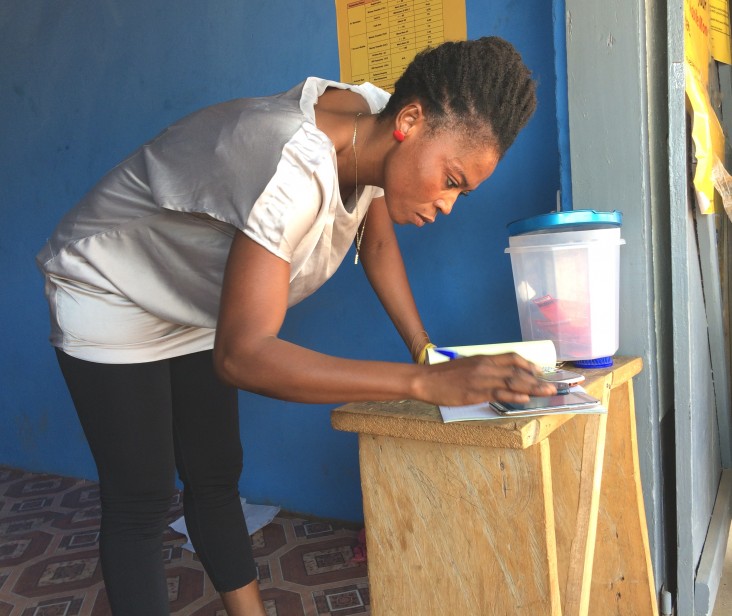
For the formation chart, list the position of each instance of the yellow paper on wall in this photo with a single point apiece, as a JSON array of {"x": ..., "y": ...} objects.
[
  {"x": 697, "y": 45},
  {"x": 721, "y": 33},
  {"x": 706, "y": 130},
  {"x": 708, "y": 138},
  {"x": 377, "y": 39}
]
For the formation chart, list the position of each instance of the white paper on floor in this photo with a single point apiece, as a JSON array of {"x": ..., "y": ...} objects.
[{"x": 257, "y": 516}]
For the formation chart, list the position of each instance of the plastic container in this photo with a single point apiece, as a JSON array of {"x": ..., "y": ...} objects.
[{"x": 566, "y": 275}]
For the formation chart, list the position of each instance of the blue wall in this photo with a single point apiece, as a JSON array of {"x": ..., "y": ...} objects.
[{"x": 84, "y": 82}]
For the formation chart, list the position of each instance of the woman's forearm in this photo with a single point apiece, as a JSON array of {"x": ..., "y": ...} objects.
[
  {"x": 283, "y": 370},
  {"x": 384, "y": 267}
]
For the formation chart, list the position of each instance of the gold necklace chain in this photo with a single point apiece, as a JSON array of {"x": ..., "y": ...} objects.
[{"x": 362, "y": 227}]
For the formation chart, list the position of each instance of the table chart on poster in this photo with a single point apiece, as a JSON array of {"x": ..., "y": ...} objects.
[{"x": 383, "y": 36}]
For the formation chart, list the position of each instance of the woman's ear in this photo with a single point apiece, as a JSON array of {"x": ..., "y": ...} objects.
[{"x": 408, "y": 117}]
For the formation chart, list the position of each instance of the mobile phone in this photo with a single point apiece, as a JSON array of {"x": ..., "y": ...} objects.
[
  {"x": 563, "y": 379},
  {"x": 573, "y": 401}
]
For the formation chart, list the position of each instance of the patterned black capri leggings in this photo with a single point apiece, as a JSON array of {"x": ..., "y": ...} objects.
[{"x": 142, "y": 422}]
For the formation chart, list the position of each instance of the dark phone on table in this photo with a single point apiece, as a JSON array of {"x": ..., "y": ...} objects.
[{"x": 575, "y": 400}]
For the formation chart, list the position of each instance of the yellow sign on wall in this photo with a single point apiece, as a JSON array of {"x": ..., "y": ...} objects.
[
  {"x": 719, "y": 28},
  {"x": 377, "y": 39},
  {"x": 706, "y": 131}
]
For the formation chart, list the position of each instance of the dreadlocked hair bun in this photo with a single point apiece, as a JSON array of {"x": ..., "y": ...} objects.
[{"x": 461, "y": 83}]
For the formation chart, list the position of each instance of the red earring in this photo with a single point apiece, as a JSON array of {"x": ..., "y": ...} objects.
[{"x": 398, "y": 135}]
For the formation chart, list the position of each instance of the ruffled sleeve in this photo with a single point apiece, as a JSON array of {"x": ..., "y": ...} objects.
[{"x": 293, "y": 208}]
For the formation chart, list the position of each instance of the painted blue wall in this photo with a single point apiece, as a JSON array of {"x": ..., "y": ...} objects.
[{"x": 84, "y": 82}]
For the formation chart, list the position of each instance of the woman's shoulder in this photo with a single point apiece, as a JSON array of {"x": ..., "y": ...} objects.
[{"x": 335, "y": 96}]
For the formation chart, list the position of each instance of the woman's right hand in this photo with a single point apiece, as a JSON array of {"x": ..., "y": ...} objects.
[{"x": 482, "y": 378}]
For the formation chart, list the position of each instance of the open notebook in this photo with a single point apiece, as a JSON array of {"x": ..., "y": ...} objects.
[{"x": 541, "y": 352}]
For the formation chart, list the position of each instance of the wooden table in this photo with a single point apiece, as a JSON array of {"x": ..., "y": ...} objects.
[{"x": 525, "y": 516}]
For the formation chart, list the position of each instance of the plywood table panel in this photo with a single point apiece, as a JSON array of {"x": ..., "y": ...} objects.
[{"x": 458, "y": 530}]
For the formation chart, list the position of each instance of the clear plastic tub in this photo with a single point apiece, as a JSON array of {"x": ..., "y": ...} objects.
[{"x": 567, "y": 287}]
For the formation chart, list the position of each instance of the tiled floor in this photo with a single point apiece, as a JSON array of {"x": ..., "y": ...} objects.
[{"x": 49, "y": 562}]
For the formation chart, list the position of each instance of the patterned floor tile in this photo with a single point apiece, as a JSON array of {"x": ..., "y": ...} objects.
[
  {"x": 319, "y": 563},
  {"x": 49, "y": 560}
]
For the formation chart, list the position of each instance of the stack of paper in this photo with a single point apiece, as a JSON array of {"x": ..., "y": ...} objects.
[
  {"x": 540, "y": 352},
  {"x": 485, "y": 410}
]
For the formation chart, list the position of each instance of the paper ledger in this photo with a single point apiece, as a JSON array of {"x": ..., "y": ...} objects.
[{"x": 541, "y": 352}]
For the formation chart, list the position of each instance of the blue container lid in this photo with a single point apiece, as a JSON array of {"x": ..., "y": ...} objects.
[
  {"x": 598, "y": 362},
  {"x": 571, "y": 220}
]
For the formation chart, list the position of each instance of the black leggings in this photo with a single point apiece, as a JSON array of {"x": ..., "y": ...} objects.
[{"x": 142, "y": 421}]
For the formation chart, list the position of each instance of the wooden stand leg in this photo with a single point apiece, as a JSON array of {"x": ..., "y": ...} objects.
[
  {"x": 578, "y": 449},
  {"x": 577, "y": 458},
  {"x": 622, "y": 579}
]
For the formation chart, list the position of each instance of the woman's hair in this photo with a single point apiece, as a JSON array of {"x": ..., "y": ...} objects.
[{"x": 479, "y": 87}]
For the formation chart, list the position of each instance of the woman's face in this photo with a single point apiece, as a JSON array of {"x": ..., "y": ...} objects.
[{"x": 425, "y": 175}]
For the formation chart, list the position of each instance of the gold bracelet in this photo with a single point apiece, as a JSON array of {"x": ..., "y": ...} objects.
[
  {"x": 422, "y": 357},
  {"x": 421, "y": 337}
]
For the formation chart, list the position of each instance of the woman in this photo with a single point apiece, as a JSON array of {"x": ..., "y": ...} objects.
[{"x": 169, "y": 282}]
